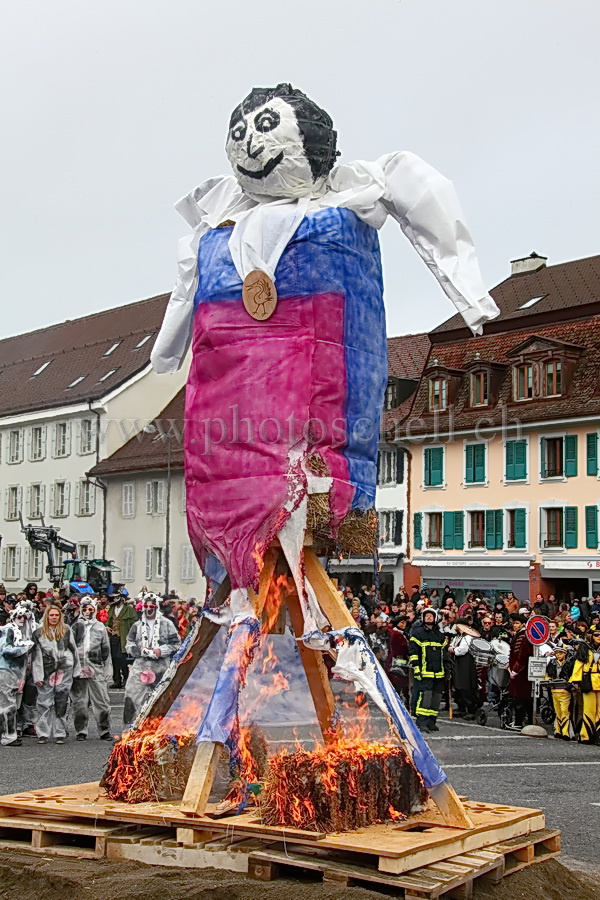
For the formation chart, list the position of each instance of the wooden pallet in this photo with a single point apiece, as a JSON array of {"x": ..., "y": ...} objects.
[
  {"x": 59, "y": 837},
  {"x": 450, "y": 878}
]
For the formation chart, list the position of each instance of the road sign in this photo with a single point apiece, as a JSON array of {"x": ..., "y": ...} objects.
[
  {"x": 537, "y": 630},
  {"x": 536, "y": 668}
]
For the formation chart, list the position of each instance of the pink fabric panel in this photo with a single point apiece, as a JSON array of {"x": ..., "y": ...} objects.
[{"x": 246, "y": 380}]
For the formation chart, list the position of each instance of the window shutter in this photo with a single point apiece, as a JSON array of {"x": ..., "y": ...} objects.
[
  {"x": 417, "y": 530},
  {"x": 53, "y": 441},
  {"x": 592, "y": 453},
  {"x": 6, "y": 495},
  {"x": 520, "y": 459},
  {"x": 43, "y": 499},
  {"x": 27, "y": 567},
  {"x": 591, "y": 527},
  {"x": 4, "y": 572},
  {"x": 490, "y": 529},
  {"x": 160, "y": 498},
  {"x": 28, "y": 502},
  {"x": 399, "y": 466},
  {"x": 43, "y": 442},
  {"x": 499, "y": 529},
  {"x": 52, "y": 510},
  {"x": 67, "y": 497},
  {"x": 68, "y": 440},
  {"x": 436, "y": 465},
  {"x": 459, "y": 530},
  {"x": 187, "y": 563},
  {"x": 520, "y": 529},
  {"x": 543, "y": 443},
  {"x": 19, "y": 500},
  {"x": 21, "y": 449},
  {"x": 127, "y": 563},
  {"x": 92, "y": 508},
  {"x": 91, "y": 551},
  {"x": 149, "y": 497},
  {"x": 448, "y": 531},
  {"x": 398, "y": 521},
  {"x": 510, "y": 461},
  {"x": 29, "y": 443},
  {"x": 77, "y": 498},
  {"x": 571, "y": 527},
  {"x": 469, "y": 463},
  {"x": 571, "y": 455},
  {"x": 17, "y": 563},
  {"x": 124, "y": 501},
  {"x": 479, "y": 462},
  {"x": 148, "y": 576},
  {"x": 78, "y": 437}
]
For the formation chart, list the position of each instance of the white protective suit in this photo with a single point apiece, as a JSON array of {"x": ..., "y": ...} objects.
[
  {"x": 144, "y": 638},
  {"x": 55, "y": 663},
  {"x": 14, "y": 651},
  {"x": 90, "y": 688}
]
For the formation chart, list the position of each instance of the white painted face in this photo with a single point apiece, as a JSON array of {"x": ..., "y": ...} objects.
[
  {"x": 266, "y": 152},
  {"x": 150, "y": 608},
  {"x": 88, "y": 612}
]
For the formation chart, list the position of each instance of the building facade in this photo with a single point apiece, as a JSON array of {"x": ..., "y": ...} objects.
[
  {"x": 72, "y": 394},
  {"x": 503, "y": 442}
]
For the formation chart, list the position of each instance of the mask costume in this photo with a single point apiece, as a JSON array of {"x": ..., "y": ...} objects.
[
  {"x": 279, "y": 293},
  {"x": 151, "y": 642},
  {"x": 15, "y": 646},
  {"x": 90, "y": 689},
  {"x": 55, "y": 664}
]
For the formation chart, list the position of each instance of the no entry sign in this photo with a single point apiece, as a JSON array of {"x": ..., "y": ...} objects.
[{"x": 537, "y": 630}]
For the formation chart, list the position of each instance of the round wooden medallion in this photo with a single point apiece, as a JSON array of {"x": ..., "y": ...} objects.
[{"x": 259, "y": 295}]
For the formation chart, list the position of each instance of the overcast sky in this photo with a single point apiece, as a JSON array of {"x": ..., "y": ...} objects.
[{"x": 112, "y": 110}]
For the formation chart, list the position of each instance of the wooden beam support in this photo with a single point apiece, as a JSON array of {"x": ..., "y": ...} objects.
[
  {"x": 266, "y": 576},
  {"x": 329, "y": 599},
  {"x": 202, "y": 776},
  {"x": 449, "y": 804},
  {"x": 316, "y": 673}
]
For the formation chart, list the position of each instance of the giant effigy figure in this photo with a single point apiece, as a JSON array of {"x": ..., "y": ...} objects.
[{"x": 280, "y": 294}]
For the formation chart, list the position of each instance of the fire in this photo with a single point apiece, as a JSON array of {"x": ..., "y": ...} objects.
[{"x": 345, "y": 785}]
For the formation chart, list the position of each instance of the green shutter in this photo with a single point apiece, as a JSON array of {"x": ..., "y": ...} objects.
[
  {"x": 571, "y": 455},
  {"x": 520, "y": 529},
  {"x": 434, "y": 466},
  {"x": 417, "y": 529},
  {"x": 459, "y": 530},
  {"x": 470, "y": 464},
  {"x": 543, "y": 457},
  {"x": 571, "y": 527},
  {"x": 499, "y": 529},
  {"x": 592, "y": 453},
  {"x": 490, "y": 529},
  {"x": 479, "y": 462},
  {"x": 520, "y": 459},
  {"x": 591, "y": 527},
  {"x": 510, "y": 461},
  {"x": 448, "y": 531}
]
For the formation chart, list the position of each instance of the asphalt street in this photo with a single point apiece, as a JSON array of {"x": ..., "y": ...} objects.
[{"x": 483, "y": 763}]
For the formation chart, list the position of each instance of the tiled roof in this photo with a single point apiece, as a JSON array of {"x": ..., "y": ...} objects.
[
  {"x": 75, "y": 350},
  {"x": 581, "y": 399},
  {"x": 407, "y": 356},
  {"x": 149, "y": 451},
  {"x": 564, "y": 289}
]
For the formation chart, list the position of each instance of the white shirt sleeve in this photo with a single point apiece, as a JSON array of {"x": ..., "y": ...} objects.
[
  {"x": 425, "y": 205},
  {"x": 175, "y": 334}
]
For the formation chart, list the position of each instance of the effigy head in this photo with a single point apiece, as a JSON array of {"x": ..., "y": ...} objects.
[{"x": 280, "y": 143}]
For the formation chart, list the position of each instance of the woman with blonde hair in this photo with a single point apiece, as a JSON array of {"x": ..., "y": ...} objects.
[{"x": 55, "y": 663}]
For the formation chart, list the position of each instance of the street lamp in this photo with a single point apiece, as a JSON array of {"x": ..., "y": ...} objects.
[{"x": 152, "y": 429}]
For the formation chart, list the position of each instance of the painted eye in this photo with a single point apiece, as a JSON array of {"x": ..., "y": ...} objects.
[
  {"x": 267, "y": 120},
  {"x": 238, "y": 133}
]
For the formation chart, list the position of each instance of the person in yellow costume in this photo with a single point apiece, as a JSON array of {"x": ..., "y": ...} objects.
[
  {"x": 558, "y": 672},
  {"x": 586, "y": 678}
]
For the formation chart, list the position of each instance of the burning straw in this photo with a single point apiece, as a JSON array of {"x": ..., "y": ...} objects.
[{"x": 341, "y": 787}]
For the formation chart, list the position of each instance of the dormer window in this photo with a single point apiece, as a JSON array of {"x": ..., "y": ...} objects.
[
  {"x": 553, "y": 371},
  {"x": 438, "y": 393},
  {"x": 523, "y": 382},
  {"x": 392, "y": 400},
  {"x": 479, "y": 389}
]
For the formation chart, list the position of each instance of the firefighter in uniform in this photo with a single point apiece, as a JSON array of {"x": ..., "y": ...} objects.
[
  {"x": 426, "y": 656},
  {"x": 586, "y": 678},
  {"x": 560, "y": 669}
]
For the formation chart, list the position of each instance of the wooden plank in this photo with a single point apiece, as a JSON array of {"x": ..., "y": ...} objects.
[
  {"x": 316, "y": 673},
  {"x": 193, "y": 836},
  {"x": 201, "y": 778},
  {"x": 447, "y": 801},
  {"x": 329, "y": 599},
  {"x": 266, "y": 576}
]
